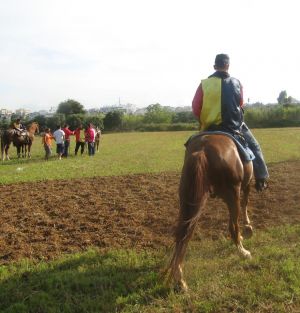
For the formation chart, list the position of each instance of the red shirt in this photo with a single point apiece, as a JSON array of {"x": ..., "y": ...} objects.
[
  {"x": 68, "y": 133},
  {"x": 90, "y": 135},
  {"x": 79, "y": 135}
]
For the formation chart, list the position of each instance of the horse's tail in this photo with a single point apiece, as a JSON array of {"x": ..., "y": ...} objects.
[{"x": 193, "y": 192}]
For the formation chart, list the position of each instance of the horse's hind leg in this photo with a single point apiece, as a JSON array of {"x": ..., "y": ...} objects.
[
  {"x": 183, "y": 235},
  {"x": 247, "y": 229},
  {"x": 193, "y": 194},
  {"x": 233, "y": 202}
]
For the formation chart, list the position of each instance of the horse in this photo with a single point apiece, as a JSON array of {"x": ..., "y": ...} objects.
[
  {"x": 21, "y": 142},
  {"x": 97, "y": 139},
  {"x": 26, "y": 144},
  {"x": 212, "y": 167},
  {"x": 6, "y": 139}
]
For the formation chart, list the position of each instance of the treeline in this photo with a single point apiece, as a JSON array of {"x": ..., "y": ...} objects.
[
  {"x": 159, "y": 118},
  {"x": 273, "y": 116},
  {"x": 156, "y": 118}
]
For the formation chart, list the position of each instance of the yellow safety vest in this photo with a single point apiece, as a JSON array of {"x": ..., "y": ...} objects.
[{"x": 211, "y": 105}]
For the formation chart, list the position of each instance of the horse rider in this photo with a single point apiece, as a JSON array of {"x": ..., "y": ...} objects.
[
  {"x": 19, "y": 128},
  {"x": 218, "y": 105}
]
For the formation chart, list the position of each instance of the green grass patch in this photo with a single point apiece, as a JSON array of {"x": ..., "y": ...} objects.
[
  {"x": 129, "y": 281},
  {"x": 128, "y": 153}
]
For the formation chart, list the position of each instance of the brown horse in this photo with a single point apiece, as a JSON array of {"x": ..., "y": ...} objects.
[
  {"x": 22, "y": 142},
  {"x": 212, "y": 166}
]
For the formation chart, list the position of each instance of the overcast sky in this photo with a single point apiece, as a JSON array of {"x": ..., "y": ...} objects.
[{"x": 143, "y": 52}]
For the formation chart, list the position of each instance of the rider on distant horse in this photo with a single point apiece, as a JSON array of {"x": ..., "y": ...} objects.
[
  {"x": 218, "y": 104},
  {"x": 19, "y": 127}
]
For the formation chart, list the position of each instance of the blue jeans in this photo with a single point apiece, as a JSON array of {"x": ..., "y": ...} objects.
[
  {"x": 259, "y": 164},
  {"x": 66, "y": 149},
  {"x": 91, "y": 148}
]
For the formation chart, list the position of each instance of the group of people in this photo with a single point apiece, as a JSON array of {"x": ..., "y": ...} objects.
[{"x": 83, "y": 136}]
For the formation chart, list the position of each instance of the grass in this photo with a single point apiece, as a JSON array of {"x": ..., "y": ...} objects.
[
  {"x": 128, "y": 281},
  {"x": 128, "y": 153}
]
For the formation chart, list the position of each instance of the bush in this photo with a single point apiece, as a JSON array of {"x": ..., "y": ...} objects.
[{"x": 169, "y": 127}]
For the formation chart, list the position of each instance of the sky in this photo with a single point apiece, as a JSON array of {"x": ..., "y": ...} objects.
[{"x": 100, "y": 52}]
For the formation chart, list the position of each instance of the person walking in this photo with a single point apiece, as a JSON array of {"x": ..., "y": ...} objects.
[
  {"x": 47, "y": 142},
  {"x": 90, "y": 139},
  {"x": 80, "y": 139},
  {"x": 59, "y": 136},
  {"x": 68, "y": 133},
  {"x": 218, "y": 104}
]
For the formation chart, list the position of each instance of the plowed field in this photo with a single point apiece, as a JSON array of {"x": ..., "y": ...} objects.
[{"x": 42, "y": 220}]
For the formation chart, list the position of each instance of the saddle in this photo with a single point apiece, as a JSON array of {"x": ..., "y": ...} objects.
[
  {"x": 245, "y": 152},
  {"x": 24, "y": 135}
]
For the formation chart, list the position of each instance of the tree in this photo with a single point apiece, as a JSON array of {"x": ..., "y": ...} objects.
[
  {"x": 74, "y": 120},
  {"x": 157, "y": 114},
  {"x": 55, "y": 120},
  {"x": 96, "y": 120},
  {"x": 70, "y": 107},
  {"x": 113, "y": 120},
  {"x": 41, "y": 120},
  {"x": 183, "y": 117},
  {"x": 282, "y": 99}
]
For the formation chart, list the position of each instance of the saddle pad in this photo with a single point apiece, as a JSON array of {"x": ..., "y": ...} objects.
[{"x": 245, "y": 152}]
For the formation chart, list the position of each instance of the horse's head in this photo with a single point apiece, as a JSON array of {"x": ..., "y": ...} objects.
[{"x": 33, "y": 128}]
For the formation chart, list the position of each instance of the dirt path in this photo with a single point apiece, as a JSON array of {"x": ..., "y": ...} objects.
[{"x": 42, "y": 220}]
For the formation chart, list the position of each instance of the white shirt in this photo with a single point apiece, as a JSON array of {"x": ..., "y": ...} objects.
[{"x": 59, "y": 136}]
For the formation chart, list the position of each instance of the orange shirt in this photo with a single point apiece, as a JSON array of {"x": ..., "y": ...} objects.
[{"x": 47, "y": 139}]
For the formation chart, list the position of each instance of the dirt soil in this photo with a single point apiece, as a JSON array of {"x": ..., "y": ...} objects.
[{"x": 45, "y": 219}]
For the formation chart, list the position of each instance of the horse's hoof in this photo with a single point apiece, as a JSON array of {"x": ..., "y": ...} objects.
[
  {"x": 181, "y": 286},
  {"x": 247, "y": 255},
  {"x": 244, "y": 253},
  {"x": 247, "y": 231}
]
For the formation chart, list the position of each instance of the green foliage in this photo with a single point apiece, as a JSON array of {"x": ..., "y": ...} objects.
[
  {"x": 74, "y": 120},
  {"x": 168, "y": 127},
  {"x": 70, "y": 107},
  {"x": 132, "y": 122},
  {"x": 41, "y": 120},
  {"x": 273, "y": 116},
  {"x": 282, "y": 98},
  {"x": 157, "y": 114},
  {"x": 183, "y": 117},
  {"x": 55, "y": 120},
  {"x": 96, "y": 120},
  {"x": 113, "y": 120}
]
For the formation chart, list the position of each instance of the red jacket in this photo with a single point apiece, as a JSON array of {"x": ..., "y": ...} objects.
[
  {"x": 79, "y": 135},
  {"x": 68, "y": 133}
]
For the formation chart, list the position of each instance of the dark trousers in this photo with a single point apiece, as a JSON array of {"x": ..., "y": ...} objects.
[
  {"x": 66, "y": 149},
  {"x": 81, "y": 145},
  {"x": 91, "y": 148}
]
